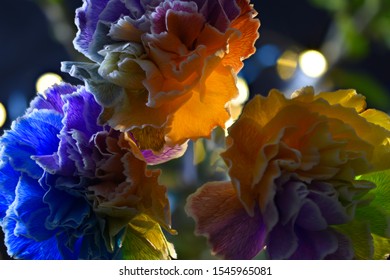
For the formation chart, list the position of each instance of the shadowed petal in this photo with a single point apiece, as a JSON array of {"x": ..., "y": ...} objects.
[
  {"x": 220, "y": 216},
  {"x": 315, "y": 245}
]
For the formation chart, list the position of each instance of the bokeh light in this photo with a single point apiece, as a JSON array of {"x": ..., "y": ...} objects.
[
  {"x": 313, "y": 63},
  {"x": 243, "y": 92},
  {"x": 3, "y": 114},
  {"x": 268, "y": 54},
  {"x": 47, "y": 80},
  {"x": 287, "y": 64}
]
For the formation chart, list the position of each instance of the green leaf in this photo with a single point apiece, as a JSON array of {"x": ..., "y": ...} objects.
[
  {"x": 362, "y": 241},
  {"x": 332, "y": 5},
  {"x": 377, "y": 219},
  {"x": 356, "y": 44},
  {"x": 382, "y": 247},
  {"x": 144, "y": 240},
  {"x": 377, "y": 213},
  {"x": 382, "y": 191},
  {"x": 199, "y": 152}
]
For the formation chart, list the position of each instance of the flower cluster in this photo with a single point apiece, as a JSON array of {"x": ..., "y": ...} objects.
[
  {"x": 309, "y": 175},
  {"x": 74, "y": 177},
  {"x": 294, "y": 191},
  {"x": 72, "y": 189}
]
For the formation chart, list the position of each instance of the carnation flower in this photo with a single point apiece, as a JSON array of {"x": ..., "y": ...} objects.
[
  {"x": 166, "y": 69},
  {"x": 295, "y": 190},
  {"x": 72, "y": 189}
]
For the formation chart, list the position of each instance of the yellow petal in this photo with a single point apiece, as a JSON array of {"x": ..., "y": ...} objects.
[
  {"x": 377, "y": 117},
  {"x": 346, "y": 98}
]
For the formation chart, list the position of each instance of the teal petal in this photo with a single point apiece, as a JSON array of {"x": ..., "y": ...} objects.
[{"x": 106, "y": 94}]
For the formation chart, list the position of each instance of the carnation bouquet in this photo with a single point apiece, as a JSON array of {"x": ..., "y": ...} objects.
[{"x": 302, "y": 175}]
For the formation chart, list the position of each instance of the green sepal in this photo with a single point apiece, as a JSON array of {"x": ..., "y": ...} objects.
[
  {"x": 144, "y": 240},
  {"x": 382, "y": 247}
]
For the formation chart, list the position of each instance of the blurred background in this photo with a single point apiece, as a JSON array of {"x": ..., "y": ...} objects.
[{"x": 329, "y": 44}]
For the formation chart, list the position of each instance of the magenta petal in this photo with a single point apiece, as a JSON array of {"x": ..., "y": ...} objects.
[
  {"x": 221, "y": 217},
  {"x": 167, "y": 154}
]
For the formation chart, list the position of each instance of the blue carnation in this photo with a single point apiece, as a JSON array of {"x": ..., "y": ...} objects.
[
  {"x": 46, "y": 167},
  {"x": 71, "y": 189}
]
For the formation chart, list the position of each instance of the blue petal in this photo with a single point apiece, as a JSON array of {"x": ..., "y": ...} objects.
[
  {"x": 33, "y": 134},
  {"x": 93, "y": 247},
  {"x": 68, "y": 211},
  {"x": 21, "y": 247},
  {"x": 30, "y": 209},
  {"x": 8, "y": 181}
]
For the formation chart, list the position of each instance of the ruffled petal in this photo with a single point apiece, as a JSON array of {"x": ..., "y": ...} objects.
[
  {"x": 32, "y": 135},
  {"x": 205, "y": 110},
  {"x": 87, "y": 20},
  {"x": 51, "y": 99},
  {"x": 30, "y": 210},
  {"x": 315, "y": 245},
  {"x": 220, "y": 216},
  {"x": 8, "y": 181},
  {"x": 242, "y": 46},
  {"x": 20, "y": 247}
]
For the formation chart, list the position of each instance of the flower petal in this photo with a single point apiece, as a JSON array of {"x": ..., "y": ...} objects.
[
  {"x": 21, "y": 247},
  {"x": 242, "y": 47},
  {"x": 220, "y": 216},
  {"x": 205, "y": 110},
  {"x": 315, "y": 245},
  {"x": 31, "y": 136},
  {"x": 87, "y": 20}
]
